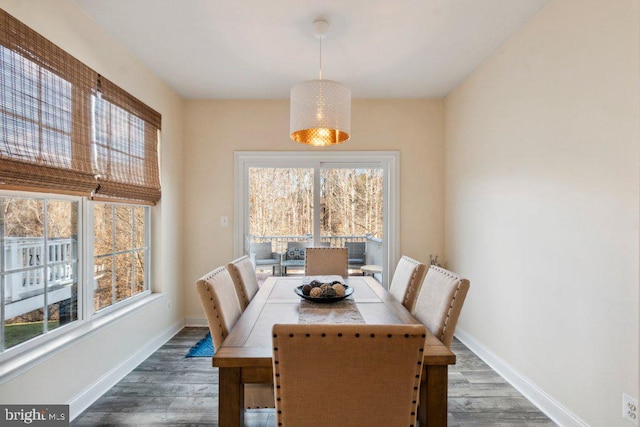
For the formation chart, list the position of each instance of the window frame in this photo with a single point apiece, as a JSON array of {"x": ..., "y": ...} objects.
[
  {"x": 388, "y": 161},
  {"x": 23, "y": 356},
  {"x": 34, "y": 342},
  {"x": 88, "y": 303}
]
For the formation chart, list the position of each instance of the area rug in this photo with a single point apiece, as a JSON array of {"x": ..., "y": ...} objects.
[{"x": 203, "y": 348}]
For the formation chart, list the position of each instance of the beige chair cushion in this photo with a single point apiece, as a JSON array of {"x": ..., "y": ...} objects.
[
  {"x": 220, "y": 302},
  {"x": 406, "y": 281},
  {"x": 221, "y": 306},
  {"x": 326, "y": 262},
  {"x": 244, "y": 278},
  {"x": 347, "y": 375},
  {"x": 440, "y": 301}
]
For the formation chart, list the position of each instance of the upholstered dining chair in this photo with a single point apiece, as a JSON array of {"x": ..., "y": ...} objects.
[
  {"x": 347, "y": 375},
  {"x": 221, "y": 306},
  {"x": 326, "y": 261},
  {"x": 244, "y": 278},
  {"x": 440, "y": 301},
  {"x": 406, "y": 281}
]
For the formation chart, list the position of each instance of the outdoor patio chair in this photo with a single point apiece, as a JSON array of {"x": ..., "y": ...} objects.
[
  {"x": 406, "y": 281},
  {"x": 440, "y": 301},
  {"x": 326, "y": 261},
  {"x": 221, "y": 306},
  {"x": 347, "y": 375},
  {"x": 244, "y": 278},
  {"x": 294, "y": 256},
  {"x": 262, "y": 255},
  {"x": 357, "y": 253}
]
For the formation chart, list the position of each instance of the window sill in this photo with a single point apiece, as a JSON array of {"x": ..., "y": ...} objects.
[{"x": 23, "y": 361}]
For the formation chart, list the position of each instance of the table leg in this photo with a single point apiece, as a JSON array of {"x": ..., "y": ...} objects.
[
  {"x": 432, "y": 410},
  {"x": 230, "y": 398}
]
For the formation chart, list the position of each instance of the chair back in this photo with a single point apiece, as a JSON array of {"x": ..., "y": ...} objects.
[
  {"x": 440, "y": 301},
  {"x": 347, "y": 375},
  {"x": 261, "y": 250},
  {"x": 357, "y": 253},
  {"x": 296, "y": 250},
  {"x": 406, "y": 281},
  {"x": 326, "y": 261},
  {"x": 220, "y": 302},
  {"x": 244, "y": 278}
]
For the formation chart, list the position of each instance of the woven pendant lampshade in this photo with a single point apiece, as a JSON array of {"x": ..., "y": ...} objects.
[{"x": 320, "y": 112}]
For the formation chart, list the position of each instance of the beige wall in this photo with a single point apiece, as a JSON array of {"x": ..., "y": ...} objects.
[
  {"x": 541, "y": 203},
  {"x": 214, "y": 129},
  {"x": 64, "y": 376}
]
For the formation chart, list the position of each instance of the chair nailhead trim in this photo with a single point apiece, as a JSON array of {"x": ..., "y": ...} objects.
[
  {"x": 418, "y": 371},
  {"x": 453, "y": 300}
]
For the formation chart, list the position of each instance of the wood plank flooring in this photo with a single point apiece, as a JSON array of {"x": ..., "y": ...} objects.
[{"x": 168, "y": 389}]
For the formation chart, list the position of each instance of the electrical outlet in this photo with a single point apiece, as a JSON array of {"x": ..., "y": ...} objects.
[
  {"x": 629, "y": 408},
  {"x": 169, "y": 305}
]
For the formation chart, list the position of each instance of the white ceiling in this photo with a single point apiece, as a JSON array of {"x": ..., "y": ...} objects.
[{"x": 261, "y": 48}]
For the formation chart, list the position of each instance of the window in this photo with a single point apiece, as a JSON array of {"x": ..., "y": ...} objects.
[
  {"x": 41, "y": 255},
  {"x": 38, "y": 266},
  {"x": 66, "y": 129},
  {"x": 35, "y": 111},
  {"x": 119, "y": 253},
  {"x": 117, "y": 152},
  {"x": 78, "y": 169}
]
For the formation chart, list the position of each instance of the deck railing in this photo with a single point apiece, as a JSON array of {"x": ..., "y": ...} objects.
[
  {"x": 24, "y": 266},
  {"x": 279, "y": 243}
]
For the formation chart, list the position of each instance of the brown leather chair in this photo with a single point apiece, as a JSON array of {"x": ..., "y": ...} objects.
[
  {"x": 347, "y": 375},
  {"x": 244, "y": 278},
  {"x": 221, "y": 306},
  {"x": 440, "y": 301},
  {"x": 326, "y": 261},
  {"x": 406, "y": 281}
]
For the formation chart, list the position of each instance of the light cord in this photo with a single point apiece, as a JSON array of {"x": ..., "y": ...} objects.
[{"x": 320, "y": 58}]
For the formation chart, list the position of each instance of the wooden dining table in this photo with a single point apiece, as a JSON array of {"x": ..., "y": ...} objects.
[{"x": 245, "y": 356}]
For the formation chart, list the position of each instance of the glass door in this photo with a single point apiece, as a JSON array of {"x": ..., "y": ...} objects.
[
  {"x": 287, "y": 201},
  {"x": 351, "y": 212},
  {"x": 281, "y": 217},
  {"x": 281, "y": 212}
]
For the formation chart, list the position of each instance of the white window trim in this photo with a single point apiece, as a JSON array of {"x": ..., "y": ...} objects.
[
  {"x": 88, "y": 302},
  {"x": 24, "y": 356},
  {"x": 389, "y": 161}
]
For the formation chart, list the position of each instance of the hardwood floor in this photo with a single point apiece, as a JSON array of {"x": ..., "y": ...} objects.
[{"x": 168, "y": 389}]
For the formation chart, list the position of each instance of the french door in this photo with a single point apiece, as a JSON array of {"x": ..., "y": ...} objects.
[{"x": 325, "y": 199}]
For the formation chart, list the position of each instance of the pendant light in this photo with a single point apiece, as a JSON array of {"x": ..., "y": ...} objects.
[{"x": 320, "y": 109}]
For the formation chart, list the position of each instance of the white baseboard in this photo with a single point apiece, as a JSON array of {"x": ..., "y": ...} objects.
[
  {"x": 84, "y": 399},
  {"x": 547, "y": 404},
  {"x": 195, "y": 321}
]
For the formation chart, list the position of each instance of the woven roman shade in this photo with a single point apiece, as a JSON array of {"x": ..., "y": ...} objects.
[
  {"x": 66, "y": 129},
  {"x": 125, "y": 145},
  {"x": 45, "y": 114}
]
